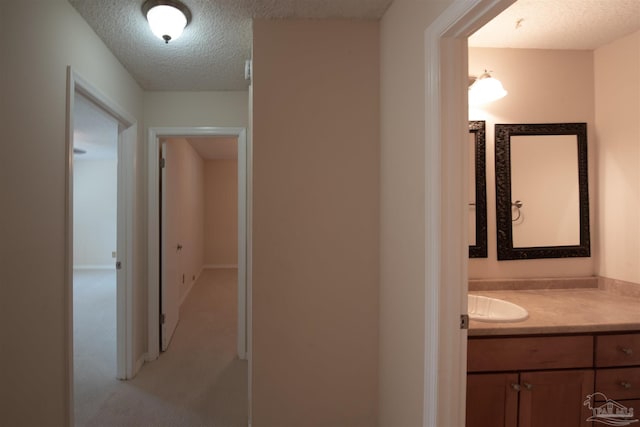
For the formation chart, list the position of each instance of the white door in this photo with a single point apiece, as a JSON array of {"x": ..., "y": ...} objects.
[{"x": 170, "y": 250}]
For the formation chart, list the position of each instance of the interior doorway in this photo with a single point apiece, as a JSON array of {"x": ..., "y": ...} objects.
[
  {"x": 156, "y": 137},
  {"x": 94, "y": 252},
  {"x": 199, "y": 219},
  {"x": 100, "y": 130},
  {"x": 446, "y": 191}
]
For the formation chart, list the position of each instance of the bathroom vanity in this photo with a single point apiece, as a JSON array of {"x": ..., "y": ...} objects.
[{"x": 540, "y": 372}]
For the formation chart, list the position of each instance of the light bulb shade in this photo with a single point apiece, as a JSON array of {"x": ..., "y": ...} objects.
[
  {"x": 486, "y": 89},
  {"x": 167, "y": 18}
]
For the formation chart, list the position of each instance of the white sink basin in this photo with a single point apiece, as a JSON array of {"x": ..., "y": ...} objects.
[{"x": 487, "y": 309}]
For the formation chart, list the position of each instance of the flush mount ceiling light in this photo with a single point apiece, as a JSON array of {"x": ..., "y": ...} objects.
[
  {"x": 485, "y": 89},
  {"x": 167, "y": 18}
]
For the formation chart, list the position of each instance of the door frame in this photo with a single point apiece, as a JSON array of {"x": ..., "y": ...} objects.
[
  {"x": 244, "y": 231},
  {"x": 127, "y": 138},
  {"x": 446, "y": 243}
]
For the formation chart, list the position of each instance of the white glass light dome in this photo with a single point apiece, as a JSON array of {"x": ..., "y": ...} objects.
[
  {"x": 167, "y": 19},
  {"x": 486, "y": 89}
]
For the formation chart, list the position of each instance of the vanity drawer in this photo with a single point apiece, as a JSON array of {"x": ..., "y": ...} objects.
[
  {"x": 511, "y": 354},
  {"x": 618, "y": 350},
  {"x": 635, "y": 404},
  {"x": 619, "y": 383}
]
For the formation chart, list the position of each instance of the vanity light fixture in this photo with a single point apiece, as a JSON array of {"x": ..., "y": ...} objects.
[
  {"x": 167, "y": 18},
  {"x": 485, "y": 89}
]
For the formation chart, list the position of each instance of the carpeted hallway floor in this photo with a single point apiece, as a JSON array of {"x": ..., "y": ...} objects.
[{"x": 198, "y": 382}]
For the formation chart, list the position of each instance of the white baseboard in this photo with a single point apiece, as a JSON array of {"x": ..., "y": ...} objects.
[
  {"x": 139, "y": 364},
  {"x": 213, "y": 266},
  {"x": 186, "y": 294},
  {"x": 95, "y": 267},
  {"x": 207, "y": 267}
]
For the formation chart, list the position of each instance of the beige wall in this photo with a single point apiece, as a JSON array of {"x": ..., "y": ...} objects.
[
  {"x": 38, "y": 40},
  {"x": 184, "y": 109},
  {"x": 206, "y": 223},
  {"x": 315, "y": 223},
  {"x": 187, "y": 174},
  {"x": 95, "y": 220},
  {"x": 545, "y": 86},
  {"x": 617, "y": 93},
  {"x": 221, "y": 212},
  {"x": 402, "y": 235}
]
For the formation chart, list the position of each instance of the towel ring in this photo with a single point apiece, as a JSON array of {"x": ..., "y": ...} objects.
[{"x": 517, "y": 205}]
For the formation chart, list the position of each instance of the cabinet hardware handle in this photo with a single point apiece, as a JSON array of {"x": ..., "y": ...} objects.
[
  {"x": 625, "y": 384},
  {"x": 516, "y": 387},
  {"x": 626, "y": 350},
  {"x": 528, "y": 386}
]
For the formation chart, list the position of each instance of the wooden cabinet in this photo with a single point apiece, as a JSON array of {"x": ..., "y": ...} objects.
[
  {"x": 492, "y": 400},
  {"x": 617, "y": 362},
  {"x": 617, "y": 350},
  {"x": 554, "y": 398},
  {"x": 529, "y": 399},
  {"x": 619, "y": 383},
  {"x": 529, "y": 353},
  {"x": 543, "y": 381}
]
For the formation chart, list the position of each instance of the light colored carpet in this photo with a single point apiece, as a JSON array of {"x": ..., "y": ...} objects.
[
  {"x": 198, "y": 382},
  {"x": 94, "y": 338}
]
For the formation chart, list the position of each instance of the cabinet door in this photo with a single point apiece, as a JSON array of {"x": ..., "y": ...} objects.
[
  {"x": 492, "y": 400},
  {"x": 555, "y": 398}
]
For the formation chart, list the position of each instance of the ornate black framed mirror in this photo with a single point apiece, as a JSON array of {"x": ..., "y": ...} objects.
[
  {"x": 542, "y": 191},
  {"x": 477, "y": 190}
]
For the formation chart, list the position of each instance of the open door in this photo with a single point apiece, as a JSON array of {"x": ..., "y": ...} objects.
[{"x": 169, "y": 251}]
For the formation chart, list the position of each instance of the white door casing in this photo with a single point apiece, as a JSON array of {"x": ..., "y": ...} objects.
[{"x": 446, "y": 245}]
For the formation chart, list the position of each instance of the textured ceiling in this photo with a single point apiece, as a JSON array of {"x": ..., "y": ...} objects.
[
  {"x": 560, "y": 24},
  {"x": 211, "y": 53}
]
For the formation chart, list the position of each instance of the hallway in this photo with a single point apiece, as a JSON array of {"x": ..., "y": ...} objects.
[{"x": 199, "y": 381}]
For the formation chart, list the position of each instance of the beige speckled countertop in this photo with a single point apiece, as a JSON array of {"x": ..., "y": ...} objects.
[{"x": 554, "y": 311}]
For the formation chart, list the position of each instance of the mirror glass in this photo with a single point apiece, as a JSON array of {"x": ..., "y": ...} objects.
[
  {"x": 477, "y": 190},
  {"x": 542, "y": 205}
]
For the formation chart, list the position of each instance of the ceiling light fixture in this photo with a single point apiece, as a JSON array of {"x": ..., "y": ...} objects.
[
  {"x": 485, "y": 89},
  {"x": 167, "y": 18}
]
